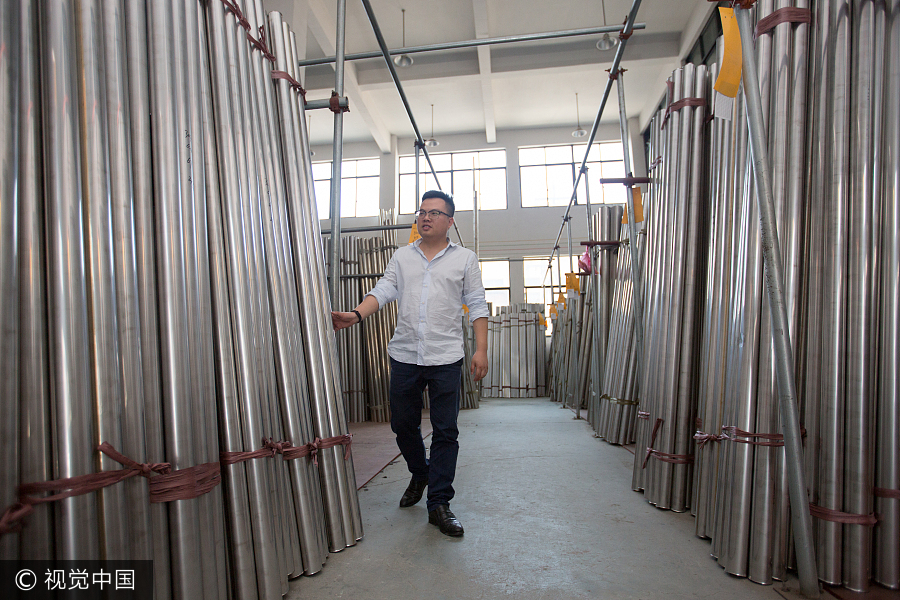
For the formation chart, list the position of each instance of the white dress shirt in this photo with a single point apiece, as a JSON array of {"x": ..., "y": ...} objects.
[{"x": 431, "y": 295}]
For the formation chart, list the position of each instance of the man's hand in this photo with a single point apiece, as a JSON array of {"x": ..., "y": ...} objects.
[
  {"x": 342, "y": 320},
  {"x": 479, "y": 365}
]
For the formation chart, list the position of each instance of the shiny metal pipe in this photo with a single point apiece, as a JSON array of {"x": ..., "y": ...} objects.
[
  {"x": 337, "y": 418},
  {"x": 75, "y": 520},
  {"x": 337, "y": 151},
  {"x": 226, "y": 102},
  {"x": 103, "y": 335},
  {"x": 784, "y": 364},
  {"x": 175, "y": 364},
  {"x": 34, "y": 378},
  {"x": 137, "y": 525},
  {"x": 886, "y": 559},
  {"x": 194, "y": 236},
  {"x": 11, "y": 78},
  {"x": 137, "y": 48}
]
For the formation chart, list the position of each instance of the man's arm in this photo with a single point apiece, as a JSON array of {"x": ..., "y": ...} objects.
[
  {"x": 342, "y": 320},
  {"x": 480, "y": 359}
]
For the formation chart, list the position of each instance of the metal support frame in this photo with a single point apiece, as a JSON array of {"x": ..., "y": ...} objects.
[
  {"x": 527, "y": 37},
  {"x": 620, "y": 51},
  {"x": 801, "y": 520},
  {"x": 420, "y": 142},
  {"x": 337, "y": 156}
]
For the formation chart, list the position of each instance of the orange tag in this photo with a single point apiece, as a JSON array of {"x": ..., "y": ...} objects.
[{"x": 414, "y": 234}]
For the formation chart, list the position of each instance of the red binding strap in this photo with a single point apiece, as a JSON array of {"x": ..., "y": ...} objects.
[
  {"x": 836, "y": 516},
  {"x": 788, "y": 14},
  {"x": 234, "y": 8},
  {"x": 886, "y": 493},
  {"x": 291, "y": 81},
  {"x": 260, "y": 44}
]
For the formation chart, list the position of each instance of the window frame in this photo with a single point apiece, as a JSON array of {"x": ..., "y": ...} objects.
[
  {"x": 445, "y": 175},
  {"x": 574, "y": 166},
  {"x": 345, "y": 163}
]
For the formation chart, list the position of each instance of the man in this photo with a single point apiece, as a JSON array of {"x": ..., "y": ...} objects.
[{"x": 432, "y": 278}]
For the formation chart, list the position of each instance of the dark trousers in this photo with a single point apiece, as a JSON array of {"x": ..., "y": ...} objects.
[{"x": 407, "y": 384}]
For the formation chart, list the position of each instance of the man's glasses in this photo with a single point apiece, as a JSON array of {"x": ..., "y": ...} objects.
[{"x": 434, "y": 214}]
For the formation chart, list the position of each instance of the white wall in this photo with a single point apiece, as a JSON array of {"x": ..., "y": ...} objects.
[{"x": 514, "y": 233}]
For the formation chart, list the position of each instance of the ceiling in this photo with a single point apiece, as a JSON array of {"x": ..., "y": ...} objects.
[{"x": 482, "y": 90}]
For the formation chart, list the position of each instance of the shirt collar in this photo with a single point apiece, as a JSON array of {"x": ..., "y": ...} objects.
[{"x": 418, "y": 243}]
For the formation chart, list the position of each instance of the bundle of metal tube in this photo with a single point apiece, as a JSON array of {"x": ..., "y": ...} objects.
[
  {"x": 178, "y": 255},
  {"x": 516, "y": 352},
  {"x": 605, "y": 226},
  {"x": 617, "y": 414},
  {"x": 350, "y": 340},
  {"x": 676, "y": 232},
  {"x": 851, "y": 408},
  {"x": 470, "y": 391},
  {"x": 374, "y": 255}
]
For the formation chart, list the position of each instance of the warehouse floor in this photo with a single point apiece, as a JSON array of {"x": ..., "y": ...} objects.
[{"x": 549, "y": 513}]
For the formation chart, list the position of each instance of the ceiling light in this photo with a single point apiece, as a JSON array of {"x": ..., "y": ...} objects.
[
  {"x": 403, "y": 60},
  {"x": 431, "y": 142},
  {"x": 606, "y": 42},
  {"x": 578, "y": 133}
]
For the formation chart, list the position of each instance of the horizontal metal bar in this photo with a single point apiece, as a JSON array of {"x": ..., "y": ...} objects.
[
  {"x": 527, "y": 37},
  {"x": 326, "y": 103},
  {"x": 369, "y": 228},
  {"x": 626, "y": 180}
]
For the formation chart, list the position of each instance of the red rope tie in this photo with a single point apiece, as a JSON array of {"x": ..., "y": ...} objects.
[
  {"x": 59, "y": 489},
  {"x": 704, "y": 438},
  {"x": 655, "y": 163},
  {"x": 334, "y": 104},
  {"x": 268, "y": 450},
  {"x": 12, "y": 518},
  {"x": 886, "y": 493},
  {"x": 788, "y": 14},
  {"x": 615, "y": 75},
  {"x": 291, "y": 81},
  {"x": 643, "y": 415},
  {"x": 338, "y": 440},
  {"x": 650, "y": 450},
  {"x": 836, "y": 516},
  {"x": 733, "y": 433},
  {"x": 677, "y": 459},
  {"x": 676, "y": 106},
  {"x": 234, "y": 8},
  {"x": 260, "y": 44},
  {"x": 185, "y": 484}
]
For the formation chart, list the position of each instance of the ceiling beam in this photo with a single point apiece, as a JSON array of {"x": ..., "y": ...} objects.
[
  {"x": 482, "y": 31},
  {"x": 323, "y": 26}
]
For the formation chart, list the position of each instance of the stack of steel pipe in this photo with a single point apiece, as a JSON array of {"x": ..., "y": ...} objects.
[
  {"x": 605, "y": 225},
  {"x": 676, "y": 233},
  {"x": 352, "y": 366},
  {"x": 374, "y": 255},
  {"x": 168, "y": 272},
  {"x": 516, "y": 351},
  {"x": 617, "y": 415},
  {"x": 851, "y": 400},
  {"x": 470, "y": 390}
]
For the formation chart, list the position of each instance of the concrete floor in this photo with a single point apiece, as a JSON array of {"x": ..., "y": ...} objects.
[{"x": 548, "y": 512}]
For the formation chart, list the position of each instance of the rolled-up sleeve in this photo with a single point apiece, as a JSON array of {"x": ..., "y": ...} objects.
[
  {"x": 386, "y": 289},
  {"x": 473, "y": 290}
]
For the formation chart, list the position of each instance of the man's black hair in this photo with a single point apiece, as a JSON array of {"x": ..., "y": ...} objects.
[{"x": 443, "y": 196}]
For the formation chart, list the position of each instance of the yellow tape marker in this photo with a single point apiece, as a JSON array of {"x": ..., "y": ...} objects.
[
  {"x": 728, "y": 83},
  {"x": 572, "y": 282},
  {"x": 414, "y": 234},
  {"x": 638, "y": 206}
]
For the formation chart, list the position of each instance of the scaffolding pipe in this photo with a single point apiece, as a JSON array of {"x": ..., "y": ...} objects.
[
  {"x": 525, "y": 37},
  {"x": 337, "y": 155},
  {"x": 420, "y": 142},
  {"x": 774, "y": 272},
  {"x": 627, "y": 29},
  {"x": 637, "y": 274}
]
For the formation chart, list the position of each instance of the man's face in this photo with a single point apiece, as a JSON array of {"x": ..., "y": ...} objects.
[{"x": 434, "y": 228}]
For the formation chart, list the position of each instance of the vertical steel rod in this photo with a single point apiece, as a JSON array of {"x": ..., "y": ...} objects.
[
  {"x": 337, "y": 156},
  {"x": 787, "y": 393}
]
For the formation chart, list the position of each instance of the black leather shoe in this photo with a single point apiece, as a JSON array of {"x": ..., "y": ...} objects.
[
  {"x": 445, "y": 520},
  {"x": 413, "y": 493}
]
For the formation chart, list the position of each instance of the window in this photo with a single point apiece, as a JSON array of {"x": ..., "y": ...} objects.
[
  {"x": 460, "y": 174},
  {"x": 535, "y": 271},
  {"x": 547, "y": 174},
  {"x": 359, "y": 187},
  {"x": 495, "y": 277}
]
